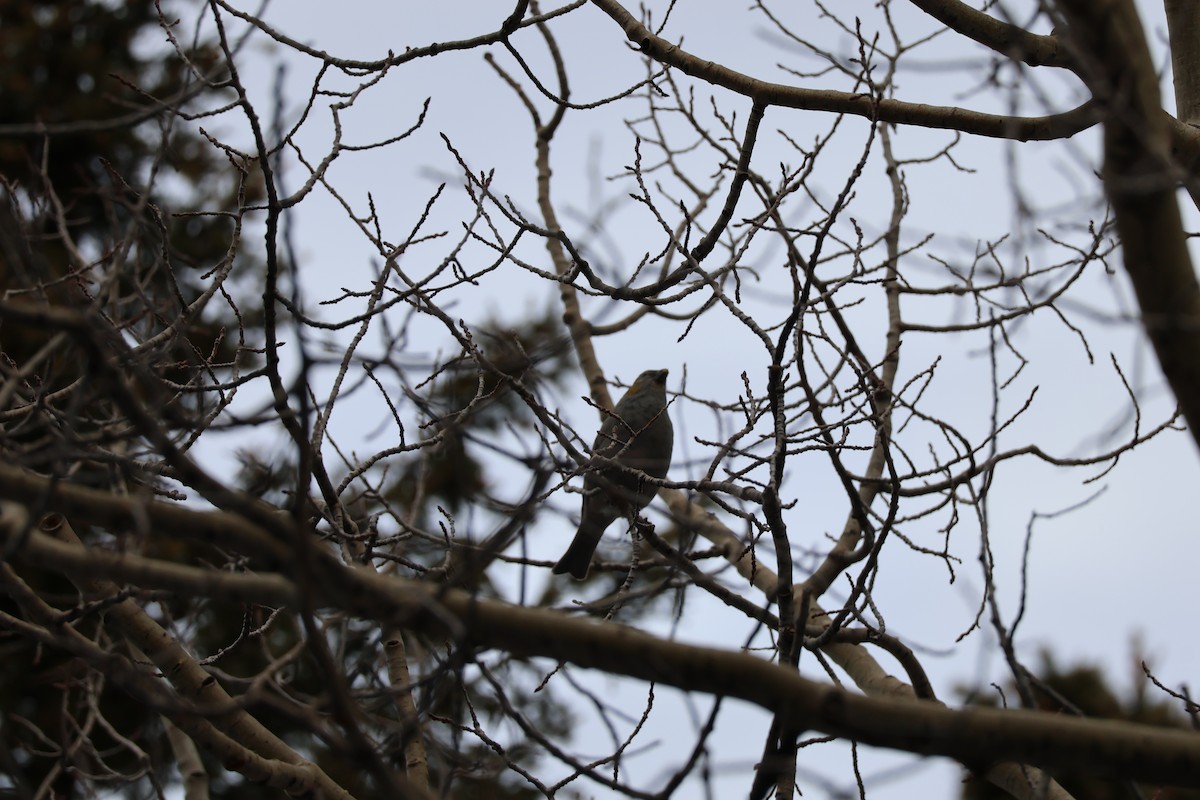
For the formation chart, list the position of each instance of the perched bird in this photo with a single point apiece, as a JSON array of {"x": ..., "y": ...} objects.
[{"x": 636, "y": 434}]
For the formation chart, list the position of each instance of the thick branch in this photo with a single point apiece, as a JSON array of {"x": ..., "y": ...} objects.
[
  {"x": 1141, "y": 183},
  {"x": 974, "y": 737},
  {"x": 1007, "y": 39},
  {"x": 1183, "y": 24},
  {"x": 1055, "y": 126}
]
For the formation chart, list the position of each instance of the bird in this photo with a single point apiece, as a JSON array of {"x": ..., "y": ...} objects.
[{"x": 637, "y": 434}]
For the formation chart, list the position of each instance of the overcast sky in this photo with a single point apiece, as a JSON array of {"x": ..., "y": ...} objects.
[{"x": 1120, "y": 568}]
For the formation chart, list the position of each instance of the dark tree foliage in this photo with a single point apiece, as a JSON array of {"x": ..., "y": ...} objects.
[
  {"x": 85, "y": 149},
  {"x": 1085, "y": 690}
]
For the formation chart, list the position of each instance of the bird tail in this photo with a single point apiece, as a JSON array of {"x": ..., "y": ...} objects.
[{"x": 578, "y": 558}]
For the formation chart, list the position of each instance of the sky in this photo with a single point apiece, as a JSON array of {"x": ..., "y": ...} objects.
[{"x": 1110, "y": 565}]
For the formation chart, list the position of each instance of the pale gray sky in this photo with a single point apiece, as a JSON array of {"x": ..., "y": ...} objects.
[{"x": 1121, "y": 567}]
